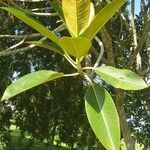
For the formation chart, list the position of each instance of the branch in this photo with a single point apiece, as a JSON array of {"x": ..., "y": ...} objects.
[
  {"x": 108, "y": 45},
  {"x": 44, "y": 14},
  {"x": 133, "y": 29},
  {"x": 125, "y": 22},
  {"x": 39, "y": 9},
  {"x": 16, "y": 45},
  {"x": 132, "y": 7},
  {"x": 95, "y": 52},
  {"x": 3, "y": 53},
  {"x": 101, "y": 51},
  {"x": 88, "y": 62},
  {"x": 134, "y": 36},
  {"x": 28, "y": 36},
  {"x": 139, "y": 46}
]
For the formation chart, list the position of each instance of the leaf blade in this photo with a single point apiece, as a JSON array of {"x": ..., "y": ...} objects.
[
  {"x": 121, "y": 78},
  {"x": 103, "y": 117},
  {"x": 26, "y": 18},
  {"x": 101, "y": 18},
  {"x": 28, "y": 81},
  {"x": 76, "y": 47},
  {"x": 76, "y": 13},
  {"x": 51, "y": 46}
]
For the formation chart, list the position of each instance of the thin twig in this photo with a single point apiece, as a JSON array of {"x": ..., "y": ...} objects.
[
  {"x": 16, "y": 45},
  {"x": 3, "y": 53},
  {"x": 100, "y": 56},
  {"x": 28, "y": 36},
  {"x": 39, "y": 9},
  {"x": 101, "y": 51},
  {"x": 44, "y": 14}
]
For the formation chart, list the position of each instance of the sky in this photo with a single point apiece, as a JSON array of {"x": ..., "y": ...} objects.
[{"x": 137, "y": 6}]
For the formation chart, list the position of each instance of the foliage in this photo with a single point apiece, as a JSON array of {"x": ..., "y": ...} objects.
[
  {"x": 78, "y": 54},
  {"x": 138, "y": 111}
]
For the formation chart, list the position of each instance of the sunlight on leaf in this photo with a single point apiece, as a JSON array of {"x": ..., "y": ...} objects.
[
  {"x": 29, "y": 81},
  {"x": 121, "y": 78},
  {"x": 103, "y": 117},
  {"x": 77, "y": 47},
  {"x": 76, "y": 13},
  {"x": 101, "y": 18}
]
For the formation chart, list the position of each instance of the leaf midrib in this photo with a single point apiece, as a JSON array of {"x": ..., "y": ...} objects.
[
  {"x": 76, "y": 49},
  {"x": 102, "y": 113}
]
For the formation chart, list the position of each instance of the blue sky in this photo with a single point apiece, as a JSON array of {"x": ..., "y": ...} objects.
[{"x": 137, "y": 6}]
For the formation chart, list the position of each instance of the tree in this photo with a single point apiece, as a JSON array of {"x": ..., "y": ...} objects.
[{"x": 105, "y": 33}]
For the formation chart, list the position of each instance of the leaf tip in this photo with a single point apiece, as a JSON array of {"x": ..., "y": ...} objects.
[{"x": 5, "y": 96}]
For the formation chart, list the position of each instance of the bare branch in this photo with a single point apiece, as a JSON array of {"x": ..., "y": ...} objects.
[
  {"x": 100, "y": 56},
  {"x": 16, "y": 45},
  {"x": 39, "y": 9},
  {"x": 139, "y": 46},
  {"x": 96, "y": 53},
  {"x": 44, "y": 14},
  {"x": 3, "y": 53},
  {"x": 28, "y": 36},
  {"x": 101, "y": 51}
]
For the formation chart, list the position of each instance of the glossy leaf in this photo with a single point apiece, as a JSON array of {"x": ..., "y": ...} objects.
[
  {"x": 26, "y": 18},
  {"x": 121, "y": 78},
  {"x": 103, "y": 117},
  {"x": 51, "y": 46},
  {"x": 76, "y": 13},
  {"x": 101, "y": 18},
  {"x": 77, "y": 47},
  {"x": 29, "y": 81},
  {"x": 92, "y": 13}
]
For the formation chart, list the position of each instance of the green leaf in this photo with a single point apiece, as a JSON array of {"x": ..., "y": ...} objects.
[
  {"x": 108, "y": 1},
  {"x": 77, "y": 47},
  {"x": 29, "y": 81},
  {"x": 26, "y": 18},
  {"x": 92, "y": 13},
  {"x": 51, "y": 46},
  {"x": 57, "y": 7},
  {"x": 103, "y": 117},
  {"x": 121, "y": 78},
  {"x": 101, "y": 18},
  {"x": 76, "y": 14}
]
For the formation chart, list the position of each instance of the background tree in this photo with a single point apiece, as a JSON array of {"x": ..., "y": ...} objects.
[{"x": 122, "y": 39}]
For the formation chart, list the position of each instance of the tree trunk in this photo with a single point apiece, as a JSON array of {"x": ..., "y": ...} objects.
[
  {"x": 148, "y": 55},
  {"x": 129, "y": 140}
]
